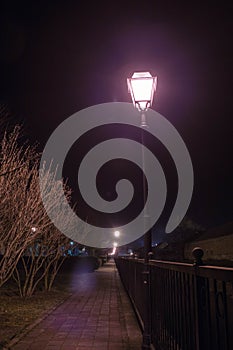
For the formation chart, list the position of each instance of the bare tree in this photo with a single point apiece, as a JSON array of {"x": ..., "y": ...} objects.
[
  {"x": 21, "y": 209},
  {"x": 20, "y": 202},
  {"x": 6, "y": 122},
  {"x": 44, "y": 256},
  {"x": 60, "y": 245},
  {"x": 42, "y": 261}
]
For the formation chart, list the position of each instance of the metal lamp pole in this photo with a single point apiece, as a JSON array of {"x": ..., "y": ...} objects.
[
  {"x": 146, "y": 217},
  {"x": 146, "y": 341},
  {"x": 142, "y": 87}
]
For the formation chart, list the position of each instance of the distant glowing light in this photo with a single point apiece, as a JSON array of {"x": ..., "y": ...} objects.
[
  {"x": 117, "y": 233},
  {"x": 34, "y": 229},
  {"x": 71, "y": 243},
  {"x": 130, "y": 251},
  {"x": 113, "y": 251}
]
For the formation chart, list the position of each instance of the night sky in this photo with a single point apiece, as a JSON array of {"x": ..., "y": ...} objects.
[{"x": 58, "y": 57}]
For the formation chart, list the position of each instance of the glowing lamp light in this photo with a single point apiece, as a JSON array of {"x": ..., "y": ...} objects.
[
  {"x": 33, "y": 229},
  {"x": 113, "y": 251},
  {"x": 117, "y": 233},
  {"x": 142, "y": 87}
]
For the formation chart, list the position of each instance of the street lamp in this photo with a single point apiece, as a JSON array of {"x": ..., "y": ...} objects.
[
  {"x": 142, "y": 87},
  {"x": 117, "y": 233}
]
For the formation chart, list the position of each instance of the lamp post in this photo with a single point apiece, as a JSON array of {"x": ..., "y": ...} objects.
[{"x": 142, "y": 87}]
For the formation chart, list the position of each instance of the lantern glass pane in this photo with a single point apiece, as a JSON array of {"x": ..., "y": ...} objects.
[{"x": 142, "y": 89}]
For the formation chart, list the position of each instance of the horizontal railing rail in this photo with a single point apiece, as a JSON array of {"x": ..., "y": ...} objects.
[{"x": 191, "y": 306}]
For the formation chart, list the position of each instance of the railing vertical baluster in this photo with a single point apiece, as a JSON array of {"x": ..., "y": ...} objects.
[
  {"x": 221, "y": 315},
  {"x": 169, "y": 308},
  {"x": 182, "y": 314},
  {"x": 202, "y": 302},
  {"x": 189, "y": 328},
  {"x": 176, "y": 307},
  {"x": 173, "y": 307},
  {"x": 226, "y": 330},
  {"x": 186, "y": 311}
]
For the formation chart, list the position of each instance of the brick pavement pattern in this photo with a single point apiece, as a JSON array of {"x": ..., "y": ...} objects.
[{"x": 98, "y": 315}]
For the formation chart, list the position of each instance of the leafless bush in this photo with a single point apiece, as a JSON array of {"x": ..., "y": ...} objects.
[{"x": 25, "y": 229}]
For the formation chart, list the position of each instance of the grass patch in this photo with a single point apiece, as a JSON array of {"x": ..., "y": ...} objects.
[{"x": 17, "y": 313}]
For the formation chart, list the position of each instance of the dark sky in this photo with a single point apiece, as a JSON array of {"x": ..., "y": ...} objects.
[{"x": 58, "y": 57}]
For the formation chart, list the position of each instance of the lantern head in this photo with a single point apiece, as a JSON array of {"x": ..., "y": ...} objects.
[{"x": 142, "y": 87}]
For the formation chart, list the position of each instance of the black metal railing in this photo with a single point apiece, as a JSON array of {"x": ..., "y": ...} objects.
[{"x": 191, "y": 306}]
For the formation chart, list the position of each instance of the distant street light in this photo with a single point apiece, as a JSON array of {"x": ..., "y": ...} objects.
[
  {"x": 33, "y": 229},
  {"x": 117, "y": 233},
  {"x": 142, "y": 87}
]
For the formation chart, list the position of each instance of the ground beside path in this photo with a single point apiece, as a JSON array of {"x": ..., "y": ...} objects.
[{"x": 98, "y": 315}]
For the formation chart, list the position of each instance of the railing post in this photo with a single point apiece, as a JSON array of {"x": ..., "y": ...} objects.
[
  {"x": 197, "y": 254},
  {"x": 202, "y": 303},
  {"x": 146, "y": 339}
]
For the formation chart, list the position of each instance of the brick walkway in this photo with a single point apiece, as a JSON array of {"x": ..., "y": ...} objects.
[{"x": 98, "y": 315}]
